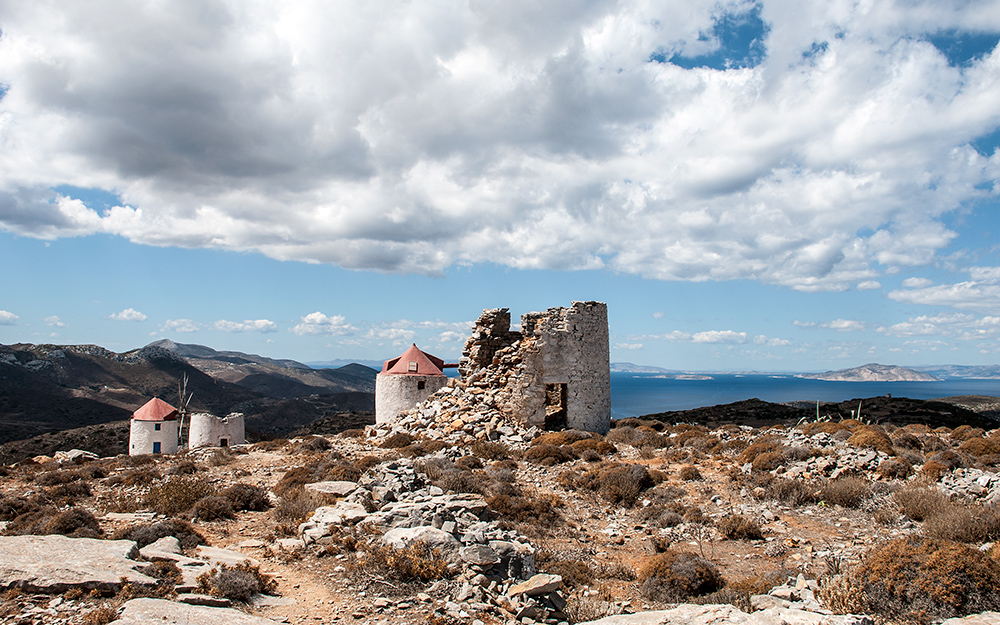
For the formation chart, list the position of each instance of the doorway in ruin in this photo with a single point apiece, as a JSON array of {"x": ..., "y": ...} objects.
[{"x": 555, "y": 406}]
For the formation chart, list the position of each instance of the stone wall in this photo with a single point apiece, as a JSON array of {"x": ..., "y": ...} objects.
[
  {"x": 142, "y": 435},
  {"x": 395, "y": 393},
  {"x": 207, "y": 430},
  {"x": 554, "y": 373}
]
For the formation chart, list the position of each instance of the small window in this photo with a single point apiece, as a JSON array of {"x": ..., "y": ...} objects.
[
  {"x": 156, "y": 427},
  {"x": 413, "y": 366},
  {"x": 421, "y": 385},
  {"x": 223, "y": 442}
]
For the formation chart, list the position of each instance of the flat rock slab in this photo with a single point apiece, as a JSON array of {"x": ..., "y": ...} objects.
[
  {"x": 218, "y": 556},
  {"x": 54, "y": 564},
  {"x": 336, "y": 488},
  {"x": 540, "y": 584},
  {"x": 687, "y": 614},
  {"x": 163, "y": 612}
]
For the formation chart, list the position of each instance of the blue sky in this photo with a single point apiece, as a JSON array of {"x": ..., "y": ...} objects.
[{"x": 748, "y": 185}]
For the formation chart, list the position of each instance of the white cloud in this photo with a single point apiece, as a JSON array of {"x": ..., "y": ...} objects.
[
  {"x": 961, "y": 326},
  {"x": 628, "y": 346},
  {"x": 720, "y": 336},
  {"x": 179, "y": 325},
  {"x": 8, "y": 318},
  {"x": 381, "y": 138},
  {"x": 129, "y": 314},
  {"x": 869, "y": 285},
  {"x": 916, "y": 283},
  {"x": 761, "y": 339},
  {"x": 319, "y": 324},
  {"x": 250, "y": 325},
  {"x": 54, "y": 321},
  {"x": 658, "y": 314},
  {"x": 846, "y": 325}
]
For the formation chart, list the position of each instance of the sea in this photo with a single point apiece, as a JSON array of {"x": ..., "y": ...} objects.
[{"x": 637, "y": 394}]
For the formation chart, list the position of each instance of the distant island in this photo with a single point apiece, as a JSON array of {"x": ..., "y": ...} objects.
[{"x": 872, "y": 372}]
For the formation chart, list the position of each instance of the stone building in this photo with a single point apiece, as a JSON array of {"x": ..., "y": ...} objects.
[
  {"x": 554, "y": 373},
  {"x": 154, "y": 429},
  {"x": 405, "y": 381},
  {"x": 207, "y": 430}
]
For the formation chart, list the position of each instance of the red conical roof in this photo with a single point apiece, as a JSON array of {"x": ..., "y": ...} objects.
[
  {"x": 413, "y": 362},
  {"x": 155, "y": 410}
]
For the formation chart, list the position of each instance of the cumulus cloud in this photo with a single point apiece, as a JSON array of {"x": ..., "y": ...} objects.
[
  {"x": 8, "y": 318},
  {"x": 412, "y": 137},
  {"x": 869, "y": 285},
  {"x": 179, "y": 325},
  {"x": 980, "y": 294},
  {"x": 251, "y": 325},
  {"x": 962, "y": 326},
  {"x": 319, "y": 324},
  {"x": 129, "y": 314},
  {"x": 628, "y": 346},
  {"x": 845, "y": 325},
  {"x": 55, "y": 322},
  {"x": 720, "y": 336}
]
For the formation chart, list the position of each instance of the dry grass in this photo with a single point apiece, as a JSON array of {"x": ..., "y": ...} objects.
[
  {"x": 848, "y": 492},
  {"x": 675, "y": 576},
  {"x": 872, "y": 437},
  {"x": 739, "y": 527}
]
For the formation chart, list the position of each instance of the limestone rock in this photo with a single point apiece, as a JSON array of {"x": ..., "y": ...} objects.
[
  {"x": 681, "y": 615},
  {"x": 336, "y": 488},
  {"x": 224, "y": 556},
  {"x": 162, "y": 612},
  {"x": 401, "y": 537},
  {"x": 539, "y": 584},
  {"x": 54, "y": 564}
]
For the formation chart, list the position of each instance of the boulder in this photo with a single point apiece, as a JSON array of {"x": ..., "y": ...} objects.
[
  {"x": 54, "y": 564},
  {"x": 402, "y": 537},
  {"x": 539, "y": 584},
  {"x": 218, "y": 556}
]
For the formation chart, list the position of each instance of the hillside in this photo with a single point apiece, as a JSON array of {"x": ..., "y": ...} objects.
[
  {"x": 283, "y": 379},
  {"x": 872, "y": 372},
  {"x": 50, "y": 388}
]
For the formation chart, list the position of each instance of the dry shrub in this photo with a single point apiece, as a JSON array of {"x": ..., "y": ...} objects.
[
  {"x": 213, "y": 508},
  {"x": 731, "y": 447},
  {"x": 469, "y": 463},
  {"x": 895, "y": 468},
  {"x": 540, "y": 510},
  {"x": 933, "y": 470},
  {"x": 966, "y": 432},
  {"x": 148, "y": 534},
  {"x": 768, "y": 461},
  {"x": 397, "y": 441},
  {"x": 965, "y": 524},
  {"x": 791, "y": 493},
  {"x": 739, "y": 527},
  {"x": 293, "y": 479},
  {"x": 423, "y": 448},
  {"x": 74, "y": 522},
  {"x": 980, "y": 446},
  {"x": 617, "y": 483},
  {"x": 237, "y": 583},
  {"x": 690, "y": 473},
  {"x": 848, "y": 492},
  {"x": 797, "y": 453},
  {"x": 461, "y": 481},
  {"x": 826, "y": 427},
  {"x": 52, "y": 478},
  {"x": 918, "y": 580},
  {"x": 675, "y": 576},
  {"x": 416, "y": 562},
  {"x": 625, "y": 435},
  {"x": 934, "y": 443},
  {"x": 296, "y": 504},
  {"x": 920, "y": 503},
  {"x": 904, "y": 439},
  {"x": 549, "y": 455},
  {"x": 101, "y": 615},
  {"x": 873, "y": 437},
  {"x": 70, "y": 492},
  {"x": 948, "y": 458},
  {"x": 575, "y": 572},
  {"x": 177, "y": 494},
  {"x": 767, "y": 444},
  {"x": 599, "y": 446},
  {"x": 310, "y": 443},
  {"x": 490, "y": 450},
  {"x": 247, "y": 497},
  {"x": 353, "y": 433},
  {"x": 562, "y": 437}
]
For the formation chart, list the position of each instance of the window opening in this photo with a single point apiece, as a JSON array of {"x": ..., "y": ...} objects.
[
  {"x": 421, "y": 385},
  {"x": 223, "y": 442},
  {"x": 156, "y": 426},
  {"x": 412, "y": 366}
]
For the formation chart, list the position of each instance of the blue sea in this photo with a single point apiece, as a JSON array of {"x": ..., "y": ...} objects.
[{"x": 637, "y": 394}]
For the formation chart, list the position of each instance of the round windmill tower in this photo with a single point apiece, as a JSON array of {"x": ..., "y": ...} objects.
[{"x": 405, "y": 381}]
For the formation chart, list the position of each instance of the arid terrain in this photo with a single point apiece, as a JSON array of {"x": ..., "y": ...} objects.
[{"x": 894, "y": 521}]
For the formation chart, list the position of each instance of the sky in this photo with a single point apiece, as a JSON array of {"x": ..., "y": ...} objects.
[{"x": 767, "y": 186}]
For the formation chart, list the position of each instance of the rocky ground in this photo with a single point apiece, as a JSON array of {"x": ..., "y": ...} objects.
[{"x": 457, "y": 517}]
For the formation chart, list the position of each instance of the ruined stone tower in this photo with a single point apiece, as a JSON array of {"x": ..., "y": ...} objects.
[{"x": 554, "y": 373}]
